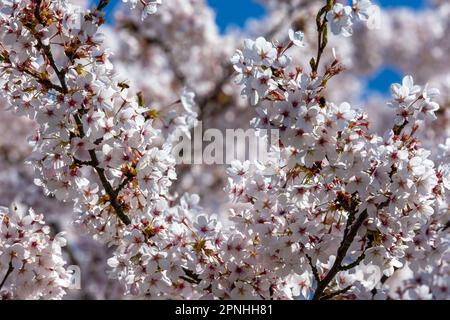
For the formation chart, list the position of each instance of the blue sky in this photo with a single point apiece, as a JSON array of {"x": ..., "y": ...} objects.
[
  {"x": 229, "y": 14},
  {"x": 236, "y": 12}
]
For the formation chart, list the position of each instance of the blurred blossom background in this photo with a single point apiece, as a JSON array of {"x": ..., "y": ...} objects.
[{"x": 189, "y": 44}]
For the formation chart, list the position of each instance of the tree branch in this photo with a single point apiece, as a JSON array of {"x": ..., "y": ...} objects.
[
  {"x": 354, "y": 263},
  {"x": 10, "y": 270},
  {"x": 336, "y": 293},
  {"x": 113, "y": 194},
  {"x": 46, "y": 48},
  {"x": 341, "y": 253},
  {"x": 102, "y": 5},
  {"x": 313, "y": 268}
]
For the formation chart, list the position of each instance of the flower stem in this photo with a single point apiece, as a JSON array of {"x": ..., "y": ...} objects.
[{"x": 322, "y": 34}]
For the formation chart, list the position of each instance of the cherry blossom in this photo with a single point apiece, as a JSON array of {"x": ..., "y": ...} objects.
[{"x": 31, "y": 261}]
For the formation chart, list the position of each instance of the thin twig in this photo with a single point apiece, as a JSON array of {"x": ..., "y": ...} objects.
[
  {"x": 341, "y": 253},
  {"x": 102, "y": 5},
  {"x": 354, "y": 263},
  {"x": 313, "y": 268},
  {"x": 322, "y": 34},
  {"x": 447, "y": 225},
  {"x": 336, "y": 293}
]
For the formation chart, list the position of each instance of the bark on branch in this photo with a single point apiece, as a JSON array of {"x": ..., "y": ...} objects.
[{"x": 94, "y": 163}]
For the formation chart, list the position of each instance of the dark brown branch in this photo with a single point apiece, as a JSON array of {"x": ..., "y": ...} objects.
[
  {"x": 313, "y": 268},
  {"x": 354, "y": 263},
  {"x": 46, "y": 83},
  {"x": 102, "y": 5},
  {"x": 350, "y": 219},
  {"x": 399, "y": 128},
  {"x": 10, "y": 270},
  {"x": 113, "y": 194},
  {"x": 47, "y": 50},
  {"x": 190, "y": 277},
  {"x": 126, "y": 181},
  {"x": 447, "y": 225},
  {"x": 341, "y": 253}
]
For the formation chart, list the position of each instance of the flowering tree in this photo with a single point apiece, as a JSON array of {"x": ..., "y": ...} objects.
[{"x": 339, "y": 213}]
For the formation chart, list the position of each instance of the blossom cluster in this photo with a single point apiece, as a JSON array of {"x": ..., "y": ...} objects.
[
  {"x": 343, "y": 17},
  {"x": 258, "y": 58},
  {"x": 104, "y": 139},
  {"x": 190, "y": 53},
  {"x": 95, "y": 145},
  {"x": 182, "y": 46},
  {"x": 16, "y": 185},
  {"x": 336, "y": 180},
  {"x": 31, "y": 261}
]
